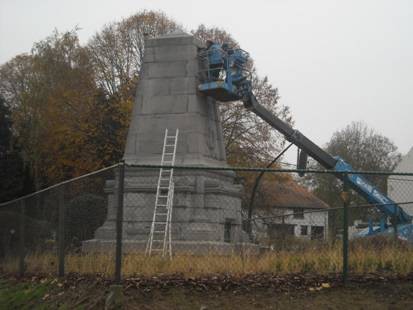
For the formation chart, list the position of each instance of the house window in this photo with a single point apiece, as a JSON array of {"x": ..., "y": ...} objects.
[
  {"x": 298, "y": 213},
  {"x": 317, "y": 232},
  {"x": 304, "y": 230},
  {"x": 227, "y": 230}
]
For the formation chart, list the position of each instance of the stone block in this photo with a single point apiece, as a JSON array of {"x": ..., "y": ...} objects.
[
  {"x": 154, "y": 87},
  {"x": 149, "y": 55},
  {"x": 167, "y": 69},
  {"x": 197, "y": 106},
  {"x": 171, "y": 41},
  {"x": 184, "y": 85},
  {"x": 192, "y": 67},
  {"x": 165, "y": 104},
  {"x": 167, "y": 54}
]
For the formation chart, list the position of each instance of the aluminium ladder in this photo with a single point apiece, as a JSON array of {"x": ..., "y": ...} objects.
[{"x": 159, "y": 241}]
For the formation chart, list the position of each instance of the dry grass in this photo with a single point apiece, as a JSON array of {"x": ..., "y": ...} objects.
[{"x": 364, "y": 257}]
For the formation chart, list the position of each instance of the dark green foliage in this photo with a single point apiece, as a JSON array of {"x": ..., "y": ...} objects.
[
  {"x": 84, "y": 214},
  {"x": 36, "y": 231},
  {"x": 12, "y": 173}
]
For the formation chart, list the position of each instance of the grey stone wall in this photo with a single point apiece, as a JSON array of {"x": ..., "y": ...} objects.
[{"x": 167, "y": 97}]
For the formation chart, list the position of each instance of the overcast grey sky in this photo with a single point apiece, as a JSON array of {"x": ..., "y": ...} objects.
[{"x": 333, "y": 61}]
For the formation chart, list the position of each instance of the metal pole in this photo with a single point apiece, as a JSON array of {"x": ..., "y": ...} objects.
[
  {"x": 345, "y": 197},
  {"x": 395, "y": 223},
  {"x": 119, "y": 222},
  {"x": 61, "y": 233},
  {"x": 22, "y": 237}
]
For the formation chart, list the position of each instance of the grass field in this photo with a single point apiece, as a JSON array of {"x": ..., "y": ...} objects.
[{"x": 364, "y": 257}]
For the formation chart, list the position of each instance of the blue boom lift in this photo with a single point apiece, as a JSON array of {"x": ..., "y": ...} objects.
[{"x": 225, "y": 77}]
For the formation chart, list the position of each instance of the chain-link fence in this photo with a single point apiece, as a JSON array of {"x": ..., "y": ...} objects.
[{"x": 142, "y": 220}]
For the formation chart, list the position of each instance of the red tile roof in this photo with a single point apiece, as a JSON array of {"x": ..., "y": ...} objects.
[{"x": 291, "y": 195}]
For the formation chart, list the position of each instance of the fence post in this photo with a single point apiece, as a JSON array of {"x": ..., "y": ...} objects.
[
  {"x": 395, "y": 223},
  {"x": 119, "y": 223},
  {"x": 22, "y": 224},
  {"x": 345, "y": 197},
  {"x": 61, "y": 232}
]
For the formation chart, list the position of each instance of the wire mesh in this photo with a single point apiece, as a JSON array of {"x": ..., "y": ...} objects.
[
  {"x": 222, "y": 222},
  {"x": 10, "y": 231}
]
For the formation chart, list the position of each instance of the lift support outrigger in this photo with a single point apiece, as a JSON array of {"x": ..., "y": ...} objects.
[{"x": 225, "y": 78}]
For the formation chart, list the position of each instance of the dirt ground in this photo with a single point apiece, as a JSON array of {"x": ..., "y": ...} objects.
[
  {"x": 398, "y": 296},
  {"x": 254, "y": 292}
]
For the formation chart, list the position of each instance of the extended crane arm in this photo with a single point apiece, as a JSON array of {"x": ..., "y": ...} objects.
[
  {"x": 236, "y": 85},
  {"x": 357, "y": 182},
  {"x": 291, "y": 134}
]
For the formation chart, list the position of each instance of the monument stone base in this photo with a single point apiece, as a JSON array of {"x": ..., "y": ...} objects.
[{"x": 206, "y": 217}]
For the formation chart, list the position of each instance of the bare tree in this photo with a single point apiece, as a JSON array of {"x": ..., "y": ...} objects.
[
  {"x": 365, "y": 150},
  {"x": 117, "y": 50}
]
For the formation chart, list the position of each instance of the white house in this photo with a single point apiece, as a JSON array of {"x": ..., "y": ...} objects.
[
  {"x": 400, "y": 188},
  {"x": 296, "y": 212}
]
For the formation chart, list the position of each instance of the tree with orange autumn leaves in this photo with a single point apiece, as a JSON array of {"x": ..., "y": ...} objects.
[
  {"x": 60, "y": 116},
  {"x": 71, "y": 104}
]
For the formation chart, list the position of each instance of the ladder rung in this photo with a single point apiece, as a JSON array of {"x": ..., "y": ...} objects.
[{"x": 163, "y": 191}]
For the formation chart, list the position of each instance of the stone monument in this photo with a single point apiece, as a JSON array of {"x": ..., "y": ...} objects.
[{"x": 207, "y": 204}]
